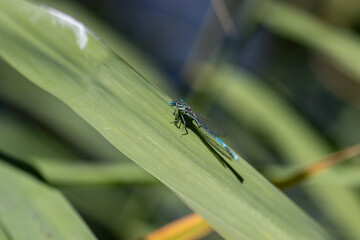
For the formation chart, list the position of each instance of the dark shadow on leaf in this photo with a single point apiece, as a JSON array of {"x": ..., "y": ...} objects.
[
  {"x": 21, "y": 165},
  {"x": 195, "y": 129}
]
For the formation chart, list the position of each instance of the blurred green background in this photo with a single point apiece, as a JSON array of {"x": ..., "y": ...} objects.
[{"x": 282, "y": 76}]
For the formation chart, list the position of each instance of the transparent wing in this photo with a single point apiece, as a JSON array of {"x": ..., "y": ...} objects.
[{"x": 216, "y": 128}]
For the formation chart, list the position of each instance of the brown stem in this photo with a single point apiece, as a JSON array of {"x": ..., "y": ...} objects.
[{"x": 320, "y": 166}]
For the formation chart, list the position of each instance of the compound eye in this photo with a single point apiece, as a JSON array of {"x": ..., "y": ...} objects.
[
  {"x": 172, "y": 103},
  {"x": 181, "y": 100}
]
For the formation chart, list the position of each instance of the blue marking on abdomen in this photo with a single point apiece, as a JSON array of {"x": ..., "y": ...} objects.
[{"x": 222, "y": 143}]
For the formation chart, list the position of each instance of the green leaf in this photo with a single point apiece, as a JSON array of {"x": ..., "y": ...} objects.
[
  {"x": 75, "y": 173},
  {"x": 3, "y": 234},
  {"x": 31, "y": 210},
  {"x": 118, "y": 43},
  {"x": 23, "y": 137},
  {"x": 58, "y": 54}
]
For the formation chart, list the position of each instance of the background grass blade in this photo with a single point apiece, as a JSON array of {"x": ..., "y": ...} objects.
[
  {"x": 31, "y": 210},
  {"x": 59, "y": 55},
  {"x": 62, "y": 173},
  {"x": 337, "y": 44}
]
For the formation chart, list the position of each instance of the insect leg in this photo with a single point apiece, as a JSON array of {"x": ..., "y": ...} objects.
[{"x": 184, "y": 125}]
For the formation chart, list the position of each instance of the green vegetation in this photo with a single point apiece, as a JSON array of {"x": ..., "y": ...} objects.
[{"x": 81, "y": 126}]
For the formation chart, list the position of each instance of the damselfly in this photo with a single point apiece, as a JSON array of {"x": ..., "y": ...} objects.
[{"x": 182, "y": 109}]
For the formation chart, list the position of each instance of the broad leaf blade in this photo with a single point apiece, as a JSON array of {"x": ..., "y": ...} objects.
[
  {"x": 31, "y": 210},
  {"x": 132, "y": 114}
]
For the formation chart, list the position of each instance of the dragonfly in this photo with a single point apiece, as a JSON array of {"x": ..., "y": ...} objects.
[{"x": 182, "y": 109}]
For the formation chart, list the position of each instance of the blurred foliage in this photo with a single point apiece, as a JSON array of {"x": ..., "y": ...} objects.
[{"x": 283, "y": 76}]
